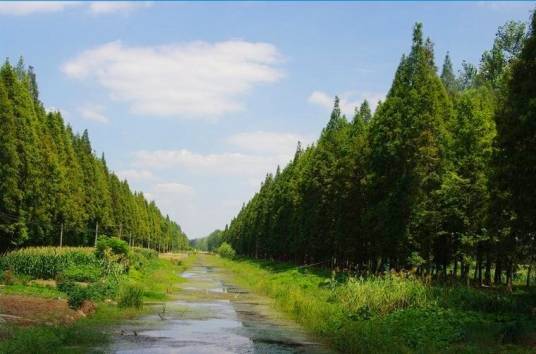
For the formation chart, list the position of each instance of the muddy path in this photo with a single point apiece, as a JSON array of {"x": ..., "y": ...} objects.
[{"x": 211, "y": 315}]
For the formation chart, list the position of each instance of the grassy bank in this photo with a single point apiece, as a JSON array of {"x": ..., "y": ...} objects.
[
  {"x": 394, "y": 314},
  {"x": 118, "y": 290}
]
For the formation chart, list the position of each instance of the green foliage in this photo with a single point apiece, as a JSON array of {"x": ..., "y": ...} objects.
[
  {"x": 395, "y": 313},
  {"x": 145, "y": 252},
  {"x": 130, "y": 295},
  {"x": 51, "y": 180},
  {"x": 47, "y": 262},
  {"x": 435, "y": 180},
  {"x": 76, "y": 294},
  {"x": 515, "y": 202},
  {"x": 112, "y": 245},
  {"x": 209, "y": 243},
  {"x": 380, "y": 296},
  {"x": 32, "y": 290},
  {"x": 226, "y": 250},
  {"x": 82, "y": 273}
]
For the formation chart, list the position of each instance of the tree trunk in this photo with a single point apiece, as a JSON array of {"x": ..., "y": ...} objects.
[
  {"x": 487, "y": 274},
  {"x": 498, "y": 272},
  {"x": 509, "y": 275},
  {"x": 529, "y": 271}
]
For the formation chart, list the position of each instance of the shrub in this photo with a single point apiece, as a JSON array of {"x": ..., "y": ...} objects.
[
  {"x": 8, "y": 277},
  {"x": 130, "y": 295},
  {"x": 47, "y": 262},
  {"x": 225, "y": 250},
  {"x": 76, "y": 294},
  {"x": 113, "y": 252},
  {"x": 104, "y": 289},
  {"x": 83, "y": 273},
  {"x": 115, "y": 245},
  {"x": 380, "y": 295},
  {"x": 145, "y": 252}
]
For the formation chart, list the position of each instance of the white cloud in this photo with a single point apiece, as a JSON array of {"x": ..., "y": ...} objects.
[
  {"x": 194, "y": 80},
  {"x": 224, "y": 164},
  {"x": 136, "y": 175},
  {"x": 21, "y": 8},
  {"x": 93, "y": 113},
  {"x": 175, "y": 189},
  {"x": 348, "y": 100},
  {"x": 65, "y": 113},
  {"x": 268, "y": 142},
  {"x": 108, "y": 7},
  {"x": 176, "y": 200}
]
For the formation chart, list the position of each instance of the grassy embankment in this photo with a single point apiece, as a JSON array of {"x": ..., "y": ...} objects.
[
  {"x": 117, "y": 284},
  {"x": 396, "y": 313}
]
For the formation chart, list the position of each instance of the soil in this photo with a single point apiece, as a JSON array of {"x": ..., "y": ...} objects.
[{"x": 30, "y": 310}]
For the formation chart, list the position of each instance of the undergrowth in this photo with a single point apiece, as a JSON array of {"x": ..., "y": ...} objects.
[{"x": 396, "y": 313}]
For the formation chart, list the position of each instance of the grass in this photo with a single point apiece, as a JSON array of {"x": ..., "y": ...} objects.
[
  {"x": 393, "y": 314},
  {"x": 32, "y": 290},
  {"x": 159, "y": 278},
  {"x": 81, "y": 337},
  {"x": 153, "y": 277},
  {"x": 46, "y": 262}
]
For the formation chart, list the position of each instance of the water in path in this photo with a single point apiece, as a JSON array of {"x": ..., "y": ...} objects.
[{"x": 213, "y": 316}]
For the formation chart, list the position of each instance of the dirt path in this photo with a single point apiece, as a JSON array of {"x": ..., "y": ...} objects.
[{"x": 212, "y": 316}]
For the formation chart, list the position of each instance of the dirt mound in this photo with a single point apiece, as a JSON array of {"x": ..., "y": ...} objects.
[
  {"x": 28, "y": 310},
  {"x": 87, "y": 308}
]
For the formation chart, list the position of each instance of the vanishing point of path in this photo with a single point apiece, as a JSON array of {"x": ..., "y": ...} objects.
[{"x": 211, "y": 315}]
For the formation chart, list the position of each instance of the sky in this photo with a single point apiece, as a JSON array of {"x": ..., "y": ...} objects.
[{"x": 193, "y": 103}]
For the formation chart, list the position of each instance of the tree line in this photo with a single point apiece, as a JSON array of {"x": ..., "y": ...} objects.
[
  {"x": 54, "y": 188},
  {"x": 208, "y": 243},
  {"x": 441, "y": 178}
]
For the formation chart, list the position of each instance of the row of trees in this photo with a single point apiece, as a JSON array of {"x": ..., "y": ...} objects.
[
  {"x": 441, "y": 178},
  {"x": 208, "y": 243},
  {"x": 52, "y": 185}
]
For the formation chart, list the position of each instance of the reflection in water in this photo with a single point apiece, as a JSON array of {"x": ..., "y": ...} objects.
[{"x": 212, "y": 316}]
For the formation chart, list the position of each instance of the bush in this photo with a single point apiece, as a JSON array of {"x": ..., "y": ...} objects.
[
  {"x": 47, "y": 262},
  {"x": 8, "y": 278},
  {"x": 82, "y": 273},
  {"x": 104, "y": 289},
  {"x": 225, "y": 250},
  {"x": 114, "y": 245},
  {"x": 373, "y": 296},
  {"x": 145, "y": 252},
  {"x": 76, "y": 294},
  {"x": 130, "y": 296},
  {"x": 113, "y": 252}
]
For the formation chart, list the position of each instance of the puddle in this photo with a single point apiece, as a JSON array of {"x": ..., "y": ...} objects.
[{"x": 212, "y": 315}]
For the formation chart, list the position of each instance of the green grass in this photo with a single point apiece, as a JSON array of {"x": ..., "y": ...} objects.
[
  {"x": 81, "y": 337},
  {"x": 47, "y": 262},
  {"x": 393, "y": 314},
  {"x": 157, "y": 279},
  {"x": 32, "y": 290}
]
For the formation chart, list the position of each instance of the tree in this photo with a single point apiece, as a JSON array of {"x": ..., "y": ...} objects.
[
  {"x": 447, "y": 75},
  {"x": 409, "y": 138},
  {"x": 516, "y": 155}
]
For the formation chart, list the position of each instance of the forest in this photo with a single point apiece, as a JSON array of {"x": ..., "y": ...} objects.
[
  {"x": 55, "y": 190},
  {"x": 440, "y": 179}
]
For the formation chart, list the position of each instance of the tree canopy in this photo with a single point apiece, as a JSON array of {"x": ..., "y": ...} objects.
[
  {"x": 440, "y": 178},
  {"x": 53, "y": 185}
]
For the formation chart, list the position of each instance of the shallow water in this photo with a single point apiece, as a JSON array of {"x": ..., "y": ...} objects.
[{"x": 213, "y": 316}]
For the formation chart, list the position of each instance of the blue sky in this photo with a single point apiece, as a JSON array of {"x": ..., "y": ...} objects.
[{"x": 194, "y": 103}]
